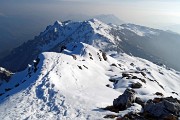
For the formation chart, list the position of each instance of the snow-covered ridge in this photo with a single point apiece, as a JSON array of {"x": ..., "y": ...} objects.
[
  {"x": 93, "y": 32},
  {"x": 140, "y": 30},
  {"x": 77, "y": 82}
]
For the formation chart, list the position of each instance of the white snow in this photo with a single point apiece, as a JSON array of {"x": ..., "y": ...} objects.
[
  {"x": 139, "y": 30},
  {"x": 72, "y": 85}
]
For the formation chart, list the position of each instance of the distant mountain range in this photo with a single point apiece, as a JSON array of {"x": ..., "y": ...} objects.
[
  {"x": 174, "y": 28},
  {"x": 16, "y": 30},
  {"x": 152, "y": 44}
]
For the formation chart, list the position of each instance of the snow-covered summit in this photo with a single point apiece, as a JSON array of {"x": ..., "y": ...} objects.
[{"x": 57, "y": 23}]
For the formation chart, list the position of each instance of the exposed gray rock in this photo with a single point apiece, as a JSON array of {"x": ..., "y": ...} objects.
[
  {"x": 139, "y": 101},
  {"x": 108, "y": 85},
  {"x": 158, "y": 93},
  {"x": 136, "y": 85},
  {"x": 104, "y": 56},
  {"x": 125, "y": 100},
  {"x": 126, "y": 75},
  {"x": 163, "y": 108}
]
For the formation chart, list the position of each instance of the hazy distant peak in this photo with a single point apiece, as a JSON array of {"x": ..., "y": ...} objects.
[
  {"x": 172, "y": 32},
  {"x": 67, "y": 21},
  {"x": 140, "y": 30},
  {"x": 94, "y": 20},
  {"x": 98, "y": 23}
]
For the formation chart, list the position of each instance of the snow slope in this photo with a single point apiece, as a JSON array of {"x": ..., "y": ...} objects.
[{"x": 75, "y": 84}]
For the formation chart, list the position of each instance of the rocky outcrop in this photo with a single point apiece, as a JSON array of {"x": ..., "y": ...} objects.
[
  {"x": 157, "y": 109},
  {"x": 136, "y": 85},
  {"x": 163, "y": 108},
  {"x": 5, "y": 74},
  {"x": 167, "y": 108},
  {"x": 125, "y": 100},
  {"x": 104, "y": 56}
]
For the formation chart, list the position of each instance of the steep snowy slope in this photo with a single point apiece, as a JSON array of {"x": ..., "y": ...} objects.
[
  {"x": 56, "y": 36},
  {"x": 152, "y": 44},
  {"x": 76, "y": 83},
  {"x": 21, "y": 56}
]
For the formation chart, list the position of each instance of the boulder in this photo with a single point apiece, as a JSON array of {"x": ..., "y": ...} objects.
[
  {"x": 125, "y": 100},
  {"x": 166, "y": 106},
  {"x": 136, "y": 85}
]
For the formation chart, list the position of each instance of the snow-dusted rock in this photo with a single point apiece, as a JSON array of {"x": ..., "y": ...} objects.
[
  {"x": 163, "y": 108},
  {"x": 125, "y": 100},
  {"x": 5, "y": 74}
]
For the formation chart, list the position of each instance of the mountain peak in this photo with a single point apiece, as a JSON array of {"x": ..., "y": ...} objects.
[
  {"x": 97, "y": 24},
  {"x": 93, "y": 20},
  {"x": 57, "y": 22}
]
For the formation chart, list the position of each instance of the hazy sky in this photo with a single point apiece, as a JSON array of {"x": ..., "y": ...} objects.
[
  {"x": 146, "y": 12},
  {"x": 21, "y": 20}
]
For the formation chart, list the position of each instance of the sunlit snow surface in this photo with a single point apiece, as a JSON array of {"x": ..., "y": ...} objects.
[
  {"x": 72, "y": 85},
  {"x": 67, "y": 88}
]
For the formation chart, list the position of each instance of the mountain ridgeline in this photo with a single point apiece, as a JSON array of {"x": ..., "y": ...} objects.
[{"x": 155, "y": 45}]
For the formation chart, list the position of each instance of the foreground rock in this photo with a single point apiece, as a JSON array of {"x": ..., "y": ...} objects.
[
  {"x": 163, "y": 108},
  {"x": 125, "y": 100},
  {"x": 157, "y": 109},
  {"x": 167, "y": 108},
  {"x": 136, "y": 85}
]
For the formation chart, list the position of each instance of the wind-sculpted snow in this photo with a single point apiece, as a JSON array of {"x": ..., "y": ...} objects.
[{"x": 78, "y": 82}]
